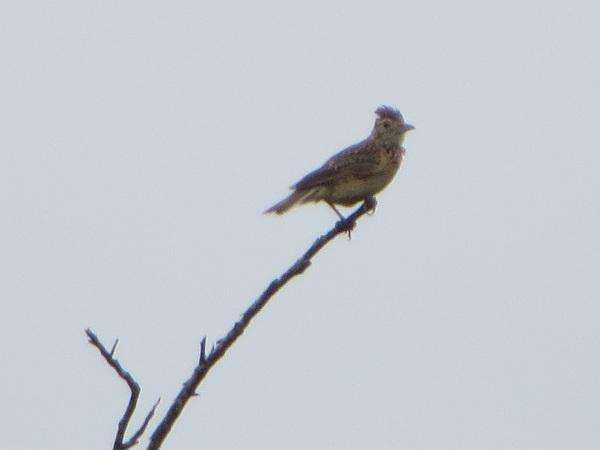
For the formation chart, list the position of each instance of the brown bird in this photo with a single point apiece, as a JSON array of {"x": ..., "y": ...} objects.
[{"x": 356, "y": 173}]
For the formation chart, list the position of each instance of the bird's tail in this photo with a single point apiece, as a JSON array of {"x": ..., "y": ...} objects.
[{"x": 287, "y": 203}]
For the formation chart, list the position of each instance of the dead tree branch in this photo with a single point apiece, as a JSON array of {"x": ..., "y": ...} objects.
[
  {"x": 206, "y": 362},
  {"x": 134, "y": 387}
]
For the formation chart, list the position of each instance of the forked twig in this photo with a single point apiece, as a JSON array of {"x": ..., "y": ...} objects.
[
  {"x": 134, "y": 387},
  {"x": 207, "y": 361}
]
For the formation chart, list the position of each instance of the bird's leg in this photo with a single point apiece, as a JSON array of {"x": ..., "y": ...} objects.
[
  {"x": 336, "y": 211},
  {"x": 371, "y": 204},
  {"x": 342, "y": 218}
]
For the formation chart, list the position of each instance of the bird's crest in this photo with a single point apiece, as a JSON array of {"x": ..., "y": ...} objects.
[{"x": 387, "y": 112}]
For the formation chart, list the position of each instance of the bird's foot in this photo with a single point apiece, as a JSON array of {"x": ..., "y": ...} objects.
[
  {"x": 371, "y": 204},
  {"x": 347, "y": 226}
]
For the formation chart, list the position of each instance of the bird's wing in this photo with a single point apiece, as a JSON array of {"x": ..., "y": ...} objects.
[{"x": 357, "y": 160}]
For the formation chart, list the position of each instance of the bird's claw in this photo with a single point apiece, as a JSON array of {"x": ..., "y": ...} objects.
[
  {"x": 371, "y": 205},
  {"x": 346, "y": 226}
]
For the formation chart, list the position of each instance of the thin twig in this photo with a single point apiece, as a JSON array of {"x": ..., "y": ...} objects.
[
  {"x": 134, "y": 387},
  {"x": 114, "y": 347},
  {"x": 206, "y": 362},
  {"x": 136, "y": 436}
]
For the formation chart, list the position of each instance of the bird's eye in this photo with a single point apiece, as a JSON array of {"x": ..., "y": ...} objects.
[{"x": 386, "y": 124}]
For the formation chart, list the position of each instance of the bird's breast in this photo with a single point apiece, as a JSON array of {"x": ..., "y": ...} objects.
[
  {"x": 395, "y": 155},
  {"x": 353, "y": 188}
]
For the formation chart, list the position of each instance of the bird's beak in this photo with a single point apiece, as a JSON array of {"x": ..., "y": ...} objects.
[{"x": 408, "y": 127}]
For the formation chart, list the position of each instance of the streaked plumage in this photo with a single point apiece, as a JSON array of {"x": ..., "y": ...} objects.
[{"x": 359, "y": 171}]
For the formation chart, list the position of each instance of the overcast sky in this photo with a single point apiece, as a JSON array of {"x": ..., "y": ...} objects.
[{"x": 140, "y": 143}]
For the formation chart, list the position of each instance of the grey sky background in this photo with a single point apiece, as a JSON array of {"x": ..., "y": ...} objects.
[{"x": 141, "y": 141}]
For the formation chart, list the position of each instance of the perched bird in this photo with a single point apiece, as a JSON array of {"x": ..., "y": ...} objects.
[{"x": 356, "y": 173}]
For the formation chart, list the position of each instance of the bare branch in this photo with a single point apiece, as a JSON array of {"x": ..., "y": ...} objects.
[
  {"x": 135, "y": 393},
  {"x": 207, "y": 362}
]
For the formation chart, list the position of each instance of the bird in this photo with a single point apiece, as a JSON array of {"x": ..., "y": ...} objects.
[{"x": 358, "y": 172}]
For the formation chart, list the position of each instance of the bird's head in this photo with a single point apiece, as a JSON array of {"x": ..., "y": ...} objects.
[{"x": 390, "y": 127}]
